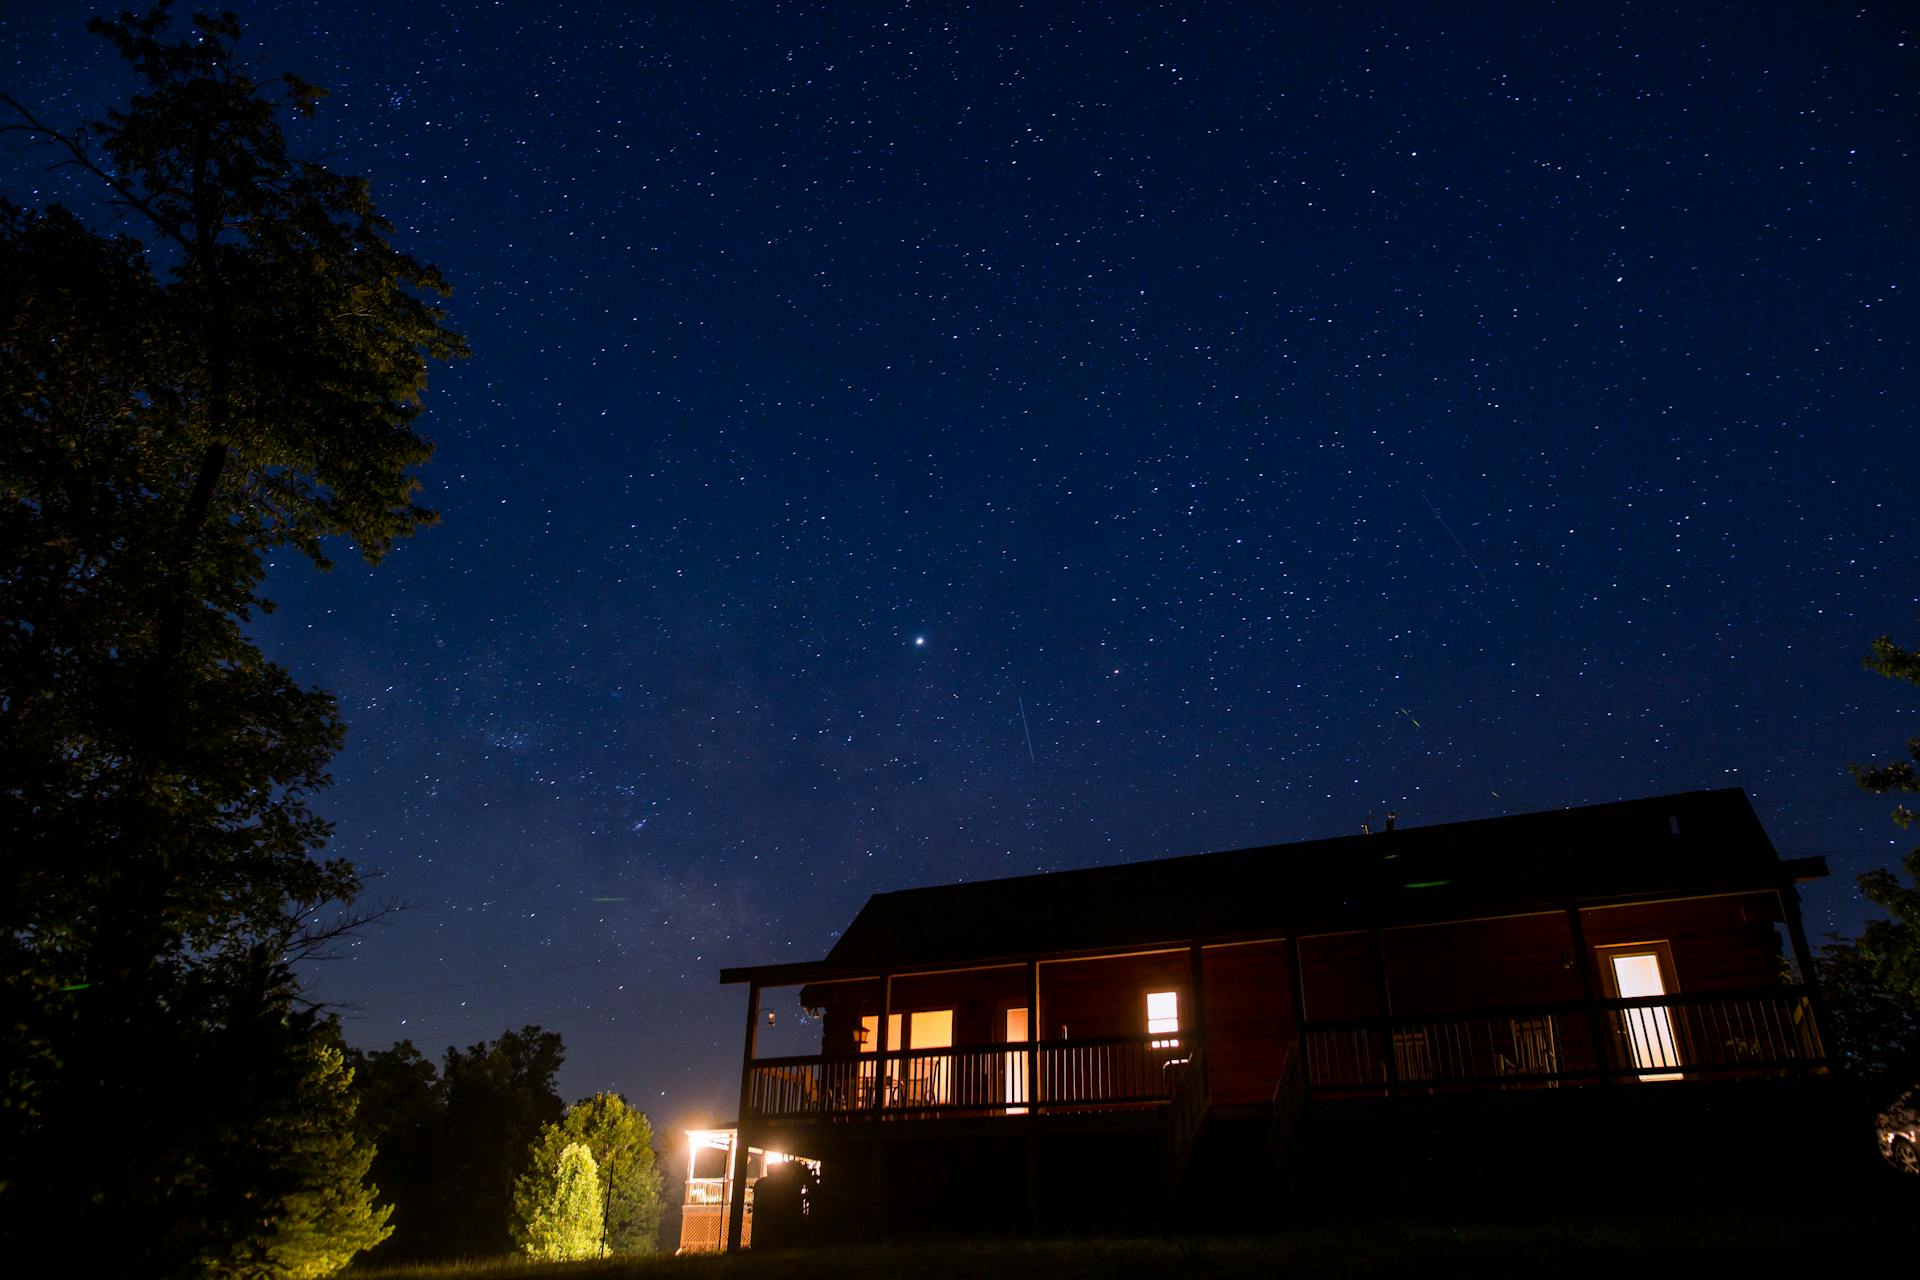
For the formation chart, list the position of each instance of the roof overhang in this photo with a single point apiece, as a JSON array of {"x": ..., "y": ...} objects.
[{"x": 1784, "y": 874}]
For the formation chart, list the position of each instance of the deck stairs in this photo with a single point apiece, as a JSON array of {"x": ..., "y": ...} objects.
[{"x": 1223, "y": 1163}]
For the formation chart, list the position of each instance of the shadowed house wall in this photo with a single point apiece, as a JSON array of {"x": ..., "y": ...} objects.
[
  {"x": 1718, "y": 944},
  {"x": 1095, "y": 998},
  {"x": 1481, "y": 964},
  {"x": 1338, "y": 973},
  {"x": 1250, "y": 1025}
]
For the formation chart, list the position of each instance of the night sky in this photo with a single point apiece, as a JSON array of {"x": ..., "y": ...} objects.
[{"x": 908, "y": 444}]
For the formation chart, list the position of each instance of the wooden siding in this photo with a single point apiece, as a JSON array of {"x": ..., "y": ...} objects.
[
  {"x": 1718, "y": 944},
  {"x": 1479, "y": 964},
  {"x": 1249, "y": 1019},
  {"x": 1339, "y": 977},
  {"x": 1088, "y": 999}
]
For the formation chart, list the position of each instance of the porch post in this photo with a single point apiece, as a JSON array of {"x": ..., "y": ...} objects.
[
  {"x": 1033, "y": 1036},
  {"x": 1596, "y": 1023},
  {"x": 1385, "y": 996},
  {"x": 1797, "y": 934},
  {"x": 1197, "y": 966},
  {"x": 737, "y": 1186},
  {"x": 880, "y": 1041},
  {"x": 1299, "y": 983},
  {"x": 877, "y": 1146},
  {"x": 1384, "y": 993},
  {"x": 1033, "y": 1097}
]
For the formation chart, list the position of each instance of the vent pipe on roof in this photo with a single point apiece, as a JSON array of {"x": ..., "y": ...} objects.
[{"x": 1366, "y": 828}]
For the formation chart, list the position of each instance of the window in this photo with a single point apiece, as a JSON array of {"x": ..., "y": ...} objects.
[
  {"x": 870, "y": 1043},
  {"x": 913, "y": 1078},
  {"x": 1163, "y": 1017}
]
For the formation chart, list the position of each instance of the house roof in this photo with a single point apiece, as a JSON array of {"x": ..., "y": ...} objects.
[{"x": 1691, "y": 843}]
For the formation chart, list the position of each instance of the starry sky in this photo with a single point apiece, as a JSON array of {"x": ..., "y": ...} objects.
[{"x": 911, "y": 443}]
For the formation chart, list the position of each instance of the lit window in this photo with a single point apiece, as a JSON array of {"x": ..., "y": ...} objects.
[{"x": 1163, "y": 1017}]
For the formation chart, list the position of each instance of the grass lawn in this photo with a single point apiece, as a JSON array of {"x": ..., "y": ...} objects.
[{"x": 1777, "y": 1240}]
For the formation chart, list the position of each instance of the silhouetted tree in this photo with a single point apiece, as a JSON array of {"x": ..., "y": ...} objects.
[
  {"x": 499, "y": 1097},
  {"x": 1872, "y": 983},
  {"x": 403, "y": 1114},
  {"x": 243, "y": 379},
  {"x": 1876, "y": 1037},
  {"x": 1892, "y": 946},
  {"x": 454, "y": 1142}
]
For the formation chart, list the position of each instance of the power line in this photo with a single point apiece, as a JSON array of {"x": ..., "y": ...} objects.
[
  {"x": 486, "y": 1029},
  {"x": 483, "y": 982}
]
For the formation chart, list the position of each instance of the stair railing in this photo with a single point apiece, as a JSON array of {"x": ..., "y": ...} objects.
[
  {"x": 1186, "y": 1114},
  {"x": 1286, "y": 1115}
]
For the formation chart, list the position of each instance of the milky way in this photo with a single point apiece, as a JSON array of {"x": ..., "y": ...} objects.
[{"x": 927, "y": 444}]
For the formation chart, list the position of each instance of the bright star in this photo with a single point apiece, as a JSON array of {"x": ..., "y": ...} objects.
[{"x": 919, "y": 641}]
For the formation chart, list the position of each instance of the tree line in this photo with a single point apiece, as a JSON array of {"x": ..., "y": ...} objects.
[
  {"x": 233, "y": 369},
  {"x": 470, "y": 1155},
  {"x": 1871, "y": 983}
]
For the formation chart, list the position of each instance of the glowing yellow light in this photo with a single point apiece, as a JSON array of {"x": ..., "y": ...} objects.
[{"x": 1163, "y": 1017}]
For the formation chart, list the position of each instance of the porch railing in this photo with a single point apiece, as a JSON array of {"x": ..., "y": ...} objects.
[
  {"x": 1111, "y": 1072},
  {"x": 1763, "y": 1032},
  {"x": 1770, "y": 1031}
]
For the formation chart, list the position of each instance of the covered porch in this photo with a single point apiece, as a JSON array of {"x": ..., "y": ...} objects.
[
  {"x": 1689, "y": 988},
  {"x": 1174, "y": 1035}
]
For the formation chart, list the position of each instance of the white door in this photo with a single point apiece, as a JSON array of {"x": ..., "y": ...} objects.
[
  {"x": 1016, "y": 1069},
  {"x": 1648, "y": 1028}
]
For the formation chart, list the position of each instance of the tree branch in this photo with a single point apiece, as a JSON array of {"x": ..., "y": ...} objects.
[{"x": 79, "y": 156}]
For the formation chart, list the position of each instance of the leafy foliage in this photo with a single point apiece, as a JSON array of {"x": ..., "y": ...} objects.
[
  {"x": 565, "y": 1223},
  {"x": 1877, "y": 1037},
  {"x": 1872, "y": 984},
  {"x": 621, "y": 1140},
  {"x": 402, "y": 1114},
  {"x": 1892, "y": 946},
  {"x": 499, "y": 1097},
  {"x": 173, "y": 410},
  {"x": 330, "y": 1216},
  {"x": 453, "y": 1142}
]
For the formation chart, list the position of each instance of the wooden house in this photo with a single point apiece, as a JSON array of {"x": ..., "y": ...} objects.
[{"x": 1101, "y": 1044}]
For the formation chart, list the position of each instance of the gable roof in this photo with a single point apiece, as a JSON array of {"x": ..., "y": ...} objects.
[{"x": 1694, "y": 842}]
